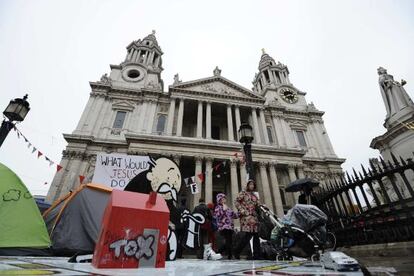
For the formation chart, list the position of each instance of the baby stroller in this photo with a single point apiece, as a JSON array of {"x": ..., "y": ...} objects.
[{"x": 301, "y": 233}]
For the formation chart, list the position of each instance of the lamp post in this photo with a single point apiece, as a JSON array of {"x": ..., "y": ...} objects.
[
  {"x": 246, "y": 138},
  {"x": 15, "y": 111}
]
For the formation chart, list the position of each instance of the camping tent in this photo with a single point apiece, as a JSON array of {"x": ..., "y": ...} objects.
[
  {"x": 22, "y": 229},
  {"x": 74, "y": 221}
]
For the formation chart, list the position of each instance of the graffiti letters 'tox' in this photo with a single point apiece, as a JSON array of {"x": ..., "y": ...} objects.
[{"x": 141, "y": 247}]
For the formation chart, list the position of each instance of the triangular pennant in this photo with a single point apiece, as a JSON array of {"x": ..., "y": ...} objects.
[
  {"x": 194, "y": 188},
  {"x": 18, "y": 134},
  {"x": 201, "y": 177},
  {"x": 25, "y": 139},
  {"x": 39, "y": 154},
  {"x": 81, "y": 178},
  {"x": 47, "y": 159},
  {"x": 29, "y": 145},
  {"x": 58, "y": 167},
  {"x": 45, "y": 183},
  {"x": 34, "y": 149},
  {"x": 51, "y": 163}
]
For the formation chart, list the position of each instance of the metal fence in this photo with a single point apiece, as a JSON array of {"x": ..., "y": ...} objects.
[{"x": 375, "y": 206}]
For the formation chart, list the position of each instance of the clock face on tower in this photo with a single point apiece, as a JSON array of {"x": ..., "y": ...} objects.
[{"x": 288, "y": 95}]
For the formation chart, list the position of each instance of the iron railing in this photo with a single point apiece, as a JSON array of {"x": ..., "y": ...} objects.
[{"x": 375, "y": 206}]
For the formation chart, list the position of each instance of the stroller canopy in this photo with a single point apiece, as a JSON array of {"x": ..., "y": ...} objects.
[{"x": 306, "y": 217}]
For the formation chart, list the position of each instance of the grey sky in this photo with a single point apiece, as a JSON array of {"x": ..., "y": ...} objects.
[{"x": 52, "y": 49}]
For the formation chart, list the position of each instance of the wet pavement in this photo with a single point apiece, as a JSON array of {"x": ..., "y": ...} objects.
[{"x": 182, "y": 267}]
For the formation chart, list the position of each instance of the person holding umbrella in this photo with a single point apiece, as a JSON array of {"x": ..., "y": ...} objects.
[{"x": 305, "y": 186}]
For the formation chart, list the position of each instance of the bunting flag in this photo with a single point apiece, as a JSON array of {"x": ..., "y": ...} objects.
[
  {"x": 194, "y": 188},
  {"x": 201, "y": 177},
  {"x": 45, "y": 183},
  {"x": 81, "y": 178},
  {"x": 39, "y": 153},
  {"x": 189, "y": 180},
  {"x": 50, "y": 161}
]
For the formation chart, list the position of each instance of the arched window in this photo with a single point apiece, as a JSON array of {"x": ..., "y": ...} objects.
[{"x": 161, "y": 124}]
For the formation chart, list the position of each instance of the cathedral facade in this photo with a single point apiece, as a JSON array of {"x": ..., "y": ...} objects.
[{"x": 196, "y": 124}]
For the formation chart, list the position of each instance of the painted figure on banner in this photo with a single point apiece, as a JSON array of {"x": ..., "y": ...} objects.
[{"x": 164, "y": 177}]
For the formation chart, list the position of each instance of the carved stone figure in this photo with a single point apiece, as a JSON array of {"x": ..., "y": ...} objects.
[
  {"x": 176, "y": 79},
  {"x": 217, "y": 71},
  {"x": 394, "y": 95},
  {"x": 105, "y": 79}
]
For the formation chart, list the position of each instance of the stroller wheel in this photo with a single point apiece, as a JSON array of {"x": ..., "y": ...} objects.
[
  {"x": 330, "y": 242},
  {"x": 315, "y": 257}
]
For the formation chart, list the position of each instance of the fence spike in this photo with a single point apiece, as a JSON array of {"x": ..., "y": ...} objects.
[
  {"x": 402, "y": 161},
  {"x": 384, "y": 165},
  {"x": 374, "y": 169},
  {"x": 396, "y": 163},
  {"x": 360, "y": 175},
  {"x": 363, "y": 170},
  {"x": 349, "y": 178},
  {"x": 390, "y": 165},
  {"x": 355, "y": 174}
]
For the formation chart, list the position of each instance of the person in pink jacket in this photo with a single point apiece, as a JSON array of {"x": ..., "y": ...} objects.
[{"x": 224, "y": 216}]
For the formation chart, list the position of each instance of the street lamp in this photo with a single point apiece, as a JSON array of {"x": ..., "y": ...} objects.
[
  {"x": 15, "y": 111},
  {"x": 246, "y": 138}
]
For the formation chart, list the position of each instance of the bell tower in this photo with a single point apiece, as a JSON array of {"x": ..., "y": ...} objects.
[
  {"x": 142, "y": 66},
  {"x": 271, "y": 74}
]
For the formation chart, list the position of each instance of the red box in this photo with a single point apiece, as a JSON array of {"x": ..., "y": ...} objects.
[{"x": 134, "y": 231}]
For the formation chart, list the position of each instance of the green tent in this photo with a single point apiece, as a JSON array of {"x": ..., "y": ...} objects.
[{"x": 22, "y": 228}]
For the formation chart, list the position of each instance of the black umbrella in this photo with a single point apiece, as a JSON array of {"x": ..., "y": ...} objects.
[{"x": 301, "y": 185}]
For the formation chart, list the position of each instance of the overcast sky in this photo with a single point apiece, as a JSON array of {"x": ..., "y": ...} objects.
[{"x": 52, "y": 49}]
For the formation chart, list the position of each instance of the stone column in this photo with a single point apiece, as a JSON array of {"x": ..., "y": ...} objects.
[
  {"x": 198, "y": 170},
  {"x": 85, "y": 114},
  {"x": 292, "y": 177},
  {"x": 234, "y": 181},
  {"x": 171, "y": 112},
  {"x": 141, "y": 122},
  {"x": 275, "y": 190},
  {"x": 177, "y": 159},
  {"x": 327, "y": 140},
  {"x": 319, "y": 139},
  {"x": 279, "y": 131},
  {"x": 256, "y": 130},
  {"x": 311, "y": 138},
  {"x": 200, "y": 120},
  {"x": 180, "y": 117},
  {"x": 264, "y": 127},
  {"x": 208, "y": 120},
  {"x": 301, "y": 173},
  {"x": 290, "y": 140},
  {"x": 151, "y": 116},
  {"x": 230, "y": 123},
  {"x": 265, "y": 185},
  {"x": 209, "y": 180},
  {"x": 238, "y": 121},
  {"x": 243, "y": 175},
  {"x": 56, "y": 186},
  {"x": 98, "y": 123}
]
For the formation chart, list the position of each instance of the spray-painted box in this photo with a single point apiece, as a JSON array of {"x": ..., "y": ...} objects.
[{"x": 134, "y": 231}]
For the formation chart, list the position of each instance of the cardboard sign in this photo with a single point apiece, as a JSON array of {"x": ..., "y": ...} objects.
[{"x": 116, "y": 170}]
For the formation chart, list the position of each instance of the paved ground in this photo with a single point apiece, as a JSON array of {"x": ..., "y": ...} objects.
[
  {"x": 402, "y": 265},
  {"x": 183, "y": 267}
]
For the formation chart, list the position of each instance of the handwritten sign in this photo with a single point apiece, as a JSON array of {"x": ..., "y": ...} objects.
[{"x": 116, "y": 170}]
